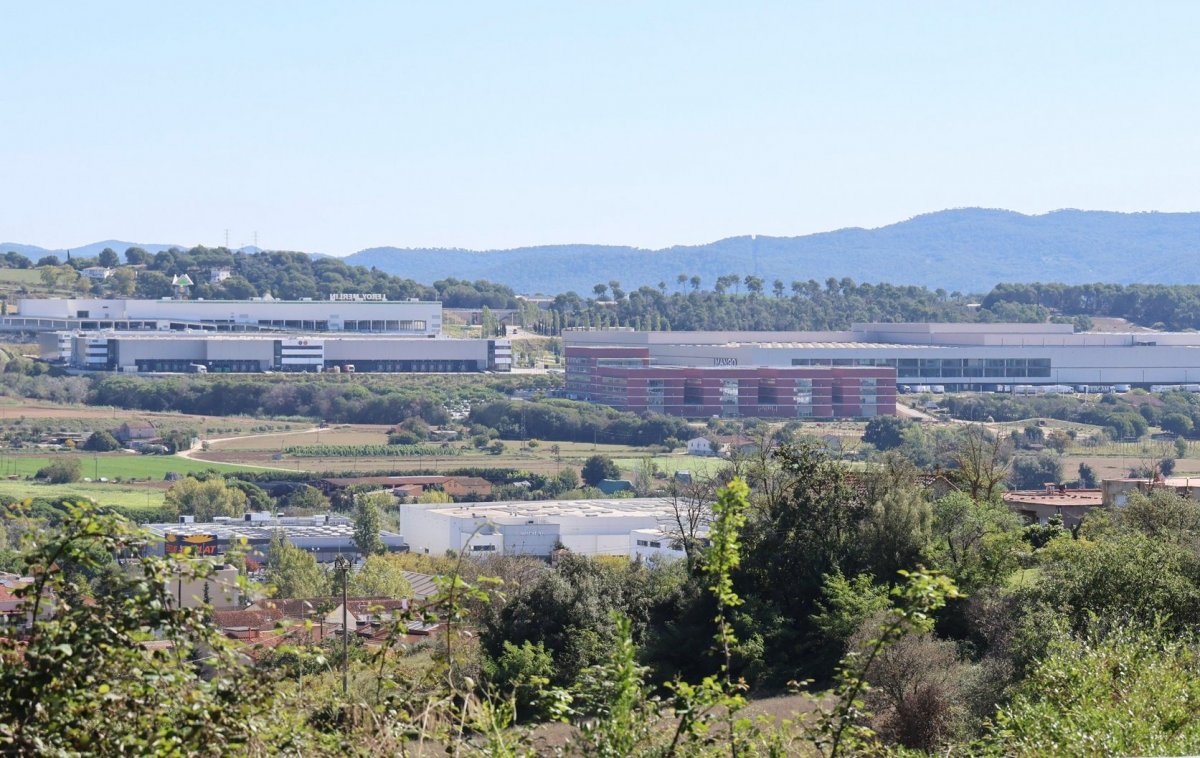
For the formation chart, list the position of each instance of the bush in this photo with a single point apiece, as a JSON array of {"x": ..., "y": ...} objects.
[
  {"x": 61, "y": 472},
  {"x": 598, "y": 468},
  {"x": 520, "y": 669},
  {"x": 101, "y": 442}
]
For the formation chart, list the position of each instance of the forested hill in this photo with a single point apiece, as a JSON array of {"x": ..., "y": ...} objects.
[{"x": 967, "y": 250}]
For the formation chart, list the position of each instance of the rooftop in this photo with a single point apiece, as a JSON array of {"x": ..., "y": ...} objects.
[
  {"x": 525, "y": 510},
  {"x": 1057, "y": 498}
]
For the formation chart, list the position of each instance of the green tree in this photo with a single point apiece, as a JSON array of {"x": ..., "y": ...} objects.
[
  {"x": 123, "y": 282},
  {"x": 379, "y": 577},
  {"x": 885, "y": 432},
  {"x": 845, "y": 605},
  {"x": 1131, "y": 692},
  {"x": 108, "y": 258},
  {"x": 61, "y": 472},
  {"x": 488, "y": 325},
  {"x": 976, "y": 543},
  {"x": 522, "y": 670},
  {"x": 1032, "y": 471},
  {"x": 597, "y": 468},
  {"x": 1087, "y": 476},
  {"x": 293, "y": 572},
  {"x": 257, "y": 498},
  {"x": 82, "y": 681},
  {"x": 896, "y": 530},
  {"x": 306, "y": 498},
  {"x": 1177, "y": 423},
  {"x": 205, "y": 499},
  {"x": 367, "y": 524},
  {"x": 101, "y": 442},
  {"x": 136, "y": 256}
]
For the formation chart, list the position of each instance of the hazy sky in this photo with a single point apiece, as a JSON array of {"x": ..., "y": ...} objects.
[{"x": 336, "y": 126}]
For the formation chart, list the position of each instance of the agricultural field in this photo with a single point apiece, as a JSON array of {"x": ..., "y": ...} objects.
[
  {"x": 123, "y": 466},
  {"x": 144, "y": 495}
]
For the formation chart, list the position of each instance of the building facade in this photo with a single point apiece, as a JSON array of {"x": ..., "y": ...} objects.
[
  {"x": 953, "y": 356},
  {"x": 345, "y": 314},
  {"x": 325, "y": 537},
  {"x": 207, "y": 352},
  {"x": 626, "y": 378},
  {"x": 531, "y": 528}
]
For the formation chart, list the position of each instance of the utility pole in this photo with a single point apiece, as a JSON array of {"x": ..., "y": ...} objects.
[{"x": 342, "y": 566}]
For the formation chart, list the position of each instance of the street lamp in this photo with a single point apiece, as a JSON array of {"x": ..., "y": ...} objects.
[{"x": 342, "y": 566}]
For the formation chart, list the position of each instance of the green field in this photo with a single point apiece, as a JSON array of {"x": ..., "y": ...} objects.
[
  {"x": 21, "y": 275},
  {"x": 112, "y": 465},
  {"x": 104, "y": 494},
  {"x": 698, "y": 465}
]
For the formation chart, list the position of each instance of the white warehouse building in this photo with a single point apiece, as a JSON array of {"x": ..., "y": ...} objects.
[
  {"x": 532, "y": 528},
  {"x": 957, "y": 356},
  {"x": 224, "y": 352},
  {"x": 362, "y": 313}
]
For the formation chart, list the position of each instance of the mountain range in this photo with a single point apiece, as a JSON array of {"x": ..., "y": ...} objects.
[{"x": 968, "y": 249}]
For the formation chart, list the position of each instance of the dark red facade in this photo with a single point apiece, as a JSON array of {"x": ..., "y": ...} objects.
[{"x": 622, "y": 377}]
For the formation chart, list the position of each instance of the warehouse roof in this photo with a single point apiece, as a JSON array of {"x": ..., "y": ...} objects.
[{"x": 548, "y": 509}]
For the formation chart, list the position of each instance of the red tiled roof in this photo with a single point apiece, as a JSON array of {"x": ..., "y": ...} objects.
[{"x": 249, "y": 619}]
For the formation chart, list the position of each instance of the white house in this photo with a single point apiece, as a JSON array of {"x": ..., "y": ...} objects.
[
  {"x": 700, "y": 446},
  {"x": 99, "y": 273},
  {"x": 218, "y": 275}
]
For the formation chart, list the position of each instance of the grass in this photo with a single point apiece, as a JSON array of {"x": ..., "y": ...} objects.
[
  {"x": 21, "y": 275},
  {"x": 112, "y": 465},
  {"x": 104, "y": 494},
  {"x": 698, "y": 465}
]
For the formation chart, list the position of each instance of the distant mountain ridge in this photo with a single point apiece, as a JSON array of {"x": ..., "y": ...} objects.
[{"x": 966, "y": 249}]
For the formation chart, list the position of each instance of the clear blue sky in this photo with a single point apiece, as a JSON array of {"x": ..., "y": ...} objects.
[{"x": 336, "y": 126}]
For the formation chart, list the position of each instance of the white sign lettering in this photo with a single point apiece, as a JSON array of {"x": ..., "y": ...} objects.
[{"x": 357, "y": 297}]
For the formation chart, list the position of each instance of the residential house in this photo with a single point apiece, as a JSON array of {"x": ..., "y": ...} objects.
[
  {"x": 700, "y": 446},
  {"x": 99, "y": 273},
  {"x": 132, "y": 432}
]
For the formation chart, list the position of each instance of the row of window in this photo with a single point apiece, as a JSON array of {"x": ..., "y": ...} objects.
[{"x": 943, "y": 367}]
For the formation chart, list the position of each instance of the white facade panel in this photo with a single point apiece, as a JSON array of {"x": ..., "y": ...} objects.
[{"x": 416, "y": 318}]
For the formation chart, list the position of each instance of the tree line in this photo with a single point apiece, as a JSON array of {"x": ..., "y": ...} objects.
[{"x": 918, "y": 622}]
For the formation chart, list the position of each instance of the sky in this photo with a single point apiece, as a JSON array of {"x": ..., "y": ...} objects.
[{"x": 333, "y": 127}]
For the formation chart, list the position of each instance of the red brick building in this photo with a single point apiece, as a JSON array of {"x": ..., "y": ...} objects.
[{"x": 623, "y": 378}]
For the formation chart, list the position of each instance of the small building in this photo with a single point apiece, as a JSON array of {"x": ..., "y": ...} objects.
[
  {"x": 218, "y": 275},
  {"x": 660, "y": 544},
  {"x": 97, "y": 273},
  {"x": 1117, "y": 491},
  {"x": 1038, "y": 506},
  {"x": 135, "y": 431},
  {"x": 613, "y": 486},
  {"x": 700, "y": 446},
  {"x": 325, "y": 537}
]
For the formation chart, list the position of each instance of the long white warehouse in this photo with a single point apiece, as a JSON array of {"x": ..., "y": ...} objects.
[
  {"x": 956, "y": 356},
  {"x": 533, "y": 528},
  {"x": 207, "y": 352},
  {"x": 411, "y": 318}
]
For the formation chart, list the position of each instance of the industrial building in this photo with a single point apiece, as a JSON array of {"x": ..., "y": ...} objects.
[
  {"x": 341, "y": 313},
  {"x": 532, "y": 528},
  {"x": 969, "y": 356},
  {"x": 207, "y": 352},
  {"x": 624, "y": 378},
  {"x": 324, "y": 536}
]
